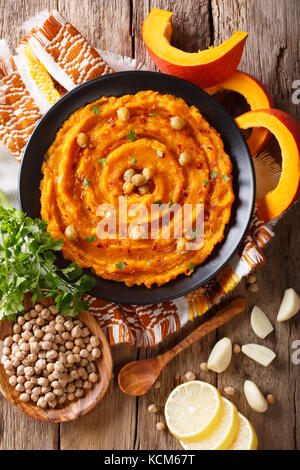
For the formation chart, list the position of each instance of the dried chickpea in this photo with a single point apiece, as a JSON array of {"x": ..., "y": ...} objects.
[
  {"x": 13, "y": 380},
  {"x": 21, "y": 379},
  {"x": 76, "y": 332},
  {"x": 87, "y": 385},
  {"x": 93, "y": 377},
  {"x": 69, "y": 345},
  {"x": 24, "y": 397},
  {"x": 78, "y": 392},
  {"x": 20, "y": 388},
  {"x": 160, "y": 426},
  {"x": 21, "y": 320},
  {"x": 53, "y": 310},
  {"x": 6, "y": 351},
  {"x": 42, "y": 402},
  {"x": 152, "y": 408},
  {"x": 38, "y": 307},
  {"x": 71, "y": 396},
  {"x": 8, "y": 341}
]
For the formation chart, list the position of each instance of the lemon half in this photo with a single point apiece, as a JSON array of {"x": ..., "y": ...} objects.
[
  {"x": 223, "y": 435},
  {"x": 193, "y": 410}
]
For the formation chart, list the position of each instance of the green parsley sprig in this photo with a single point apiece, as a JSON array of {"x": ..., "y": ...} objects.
[{"x": 27, "y": 263}]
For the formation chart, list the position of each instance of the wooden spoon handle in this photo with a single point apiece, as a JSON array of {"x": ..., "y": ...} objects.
[{"x": 225, "y": 314}]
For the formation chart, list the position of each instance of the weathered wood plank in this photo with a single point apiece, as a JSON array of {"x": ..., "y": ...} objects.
[
  {"x": 17, "y": 431},
  {"x": 191, "y": 31},
  {"x": 111, "y": 425},
  {"x": 272, "y": 56},
  {"x": 191, "y": 26}
]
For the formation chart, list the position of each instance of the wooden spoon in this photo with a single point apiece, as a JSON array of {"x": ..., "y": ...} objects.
[
  {"x": 78, "y": 407},
  {"x": 137, "y": 377}
]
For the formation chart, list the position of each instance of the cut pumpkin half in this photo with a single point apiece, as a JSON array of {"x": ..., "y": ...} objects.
[
  {"x": 287, "y": 132},
  {"x": 204, "y": 68},
  {"x": 256, "y": 96}
]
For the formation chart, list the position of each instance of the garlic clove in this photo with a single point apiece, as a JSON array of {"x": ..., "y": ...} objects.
[
  {"x": 260, "y": 323},
  {"x": 220, "y": 355},
  {"x": 258, "y": 353},
  {"x": 290, "y": 305},
  {"x": 254, "y": 397}
]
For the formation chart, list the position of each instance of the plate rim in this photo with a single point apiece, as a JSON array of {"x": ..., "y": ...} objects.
[{"x": 251, "y": 179}]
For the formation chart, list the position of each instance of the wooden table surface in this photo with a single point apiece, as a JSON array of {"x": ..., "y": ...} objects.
[{"x": 272, "y": 56}]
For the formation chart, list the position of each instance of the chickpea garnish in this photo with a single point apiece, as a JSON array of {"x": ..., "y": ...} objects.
[
  {"x": 143, "y": 189},
  {"x": 181, "y": 245},
  {"x": 135, "y": 233},
  {"x": 138, "y": 180},
  {"x": 148, "y": 172},
  {"x": 184, "y": 158},
  {"x": 128, "y": 174},
  {"x": 123, "y": 113},
  {"x": 71, "y": 233},
  {"x": 128, "y": 187},
  {"x": 177, "y": 123},
  {"x": 82, "y": 140}
]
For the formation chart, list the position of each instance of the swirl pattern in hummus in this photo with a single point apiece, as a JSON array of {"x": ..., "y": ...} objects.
[{"x": 66, "y": 198}]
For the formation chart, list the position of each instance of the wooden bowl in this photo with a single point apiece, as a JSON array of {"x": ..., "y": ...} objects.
[{"x": 76, "y": 408}]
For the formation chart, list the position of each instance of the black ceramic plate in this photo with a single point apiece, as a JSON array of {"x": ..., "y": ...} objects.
[{"x": 119, "y": 84}]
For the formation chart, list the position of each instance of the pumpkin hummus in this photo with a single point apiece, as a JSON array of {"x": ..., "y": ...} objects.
[{"x": 186, "y": 164}]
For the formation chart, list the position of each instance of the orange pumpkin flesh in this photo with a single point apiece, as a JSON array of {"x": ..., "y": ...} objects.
[
  {"x": 287, "y": 132},
  {"x": 204, "y": 68},
  {"x": 256, "y": 96}
]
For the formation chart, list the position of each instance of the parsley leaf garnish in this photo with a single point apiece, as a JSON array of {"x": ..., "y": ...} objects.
[
  {"x": 86, "y": 183},
  {"x": 159, "y": 154},
  {"x": 205, "y": 182},
  {"x": 131, "y": 136},
  {"x": 152, "y": 114},
  {"x": 133, "y": 161},
  {"x": 27, "y": 263},
  {"x": 226, "y": 178},
  {"x": 158, "y": 202},
  {"x": 214, "y": 174},
  {"x": 171, "y": 203},
  {"x": 121, "y": 265},
  {"x": 191, "y": 266},
  {"x": 102, "y": 161},
  {"x": 90, "y": 239},
  {"x": 95, "y": 110}
]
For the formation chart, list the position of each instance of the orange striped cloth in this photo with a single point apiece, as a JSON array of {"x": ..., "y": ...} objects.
[{"x": 54, "y": 57}]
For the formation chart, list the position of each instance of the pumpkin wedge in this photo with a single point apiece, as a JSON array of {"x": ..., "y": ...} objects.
[
  {"x": 256, "y": 96},
  {"x": 287, "y": 132},
  {"x": 204, "y": 68}
]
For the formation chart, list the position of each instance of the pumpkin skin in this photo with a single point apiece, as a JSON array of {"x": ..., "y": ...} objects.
[
  {"x": 204, "y": 68},
  {"x": 287, "y": 132},
  {"x": 76, "y": 183},
  {"x": 256, "y": 96}
]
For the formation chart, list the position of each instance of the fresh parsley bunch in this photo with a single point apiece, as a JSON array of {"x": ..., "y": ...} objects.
[{"x": 27, "y": 263}]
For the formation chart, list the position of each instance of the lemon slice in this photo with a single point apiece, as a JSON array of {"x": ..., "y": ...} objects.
[
  {"x": 193, "y": 410},
  {"x": 246, "y": 438},
  {"x": 223, "y": 435}
]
